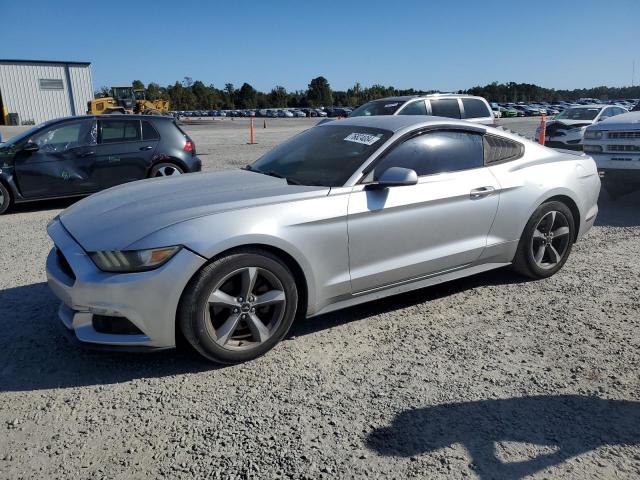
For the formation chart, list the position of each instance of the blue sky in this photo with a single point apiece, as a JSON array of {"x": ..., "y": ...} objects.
[{"x": 445, "y": 45}]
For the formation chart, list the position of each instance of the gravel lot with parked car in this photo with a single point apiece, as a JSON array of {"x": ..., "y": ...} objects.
[{"x": 491, "y": 376}]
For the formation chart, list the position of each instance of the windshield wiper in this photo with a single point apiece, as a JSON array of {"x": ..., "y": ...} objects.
[
  {"x": 271, "y": 173},
  {"x": 275, "y": 174}
]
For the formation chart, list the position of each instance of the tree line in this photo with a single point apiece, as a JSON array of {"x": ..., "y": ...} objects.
[
  {"x": 527, "y": 92},
  {"x": 196, "y": 95}
]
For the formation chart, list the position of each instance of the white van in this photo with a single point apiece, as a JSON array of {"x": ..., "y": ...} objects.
[{"x": 465, "y": 107}]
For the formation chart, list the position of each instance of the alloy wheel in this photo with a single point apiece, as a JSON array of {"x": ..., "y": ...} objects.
[
  {"x": 245, "y": 308},
  {"x": 167, "y": 171},
  {"x": 550, "y": 240}
]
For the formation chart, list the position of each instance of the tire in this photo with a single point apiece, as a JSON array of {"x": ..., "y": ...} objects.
[
  {"x": 5, "y": 198},
  {"x": 539, "y": 254},
  {"x": 165, "y": 169},
  {"x": 221, "y": 324}
]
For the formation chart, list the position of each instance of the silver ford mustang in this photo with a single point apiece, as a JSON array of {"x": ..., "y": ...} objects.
[{"x": 340, "y": 214}]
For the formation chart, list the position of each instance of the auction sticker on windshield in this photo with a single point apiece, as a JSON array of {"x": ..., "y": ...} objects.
[{"x": 364, "y": 138}]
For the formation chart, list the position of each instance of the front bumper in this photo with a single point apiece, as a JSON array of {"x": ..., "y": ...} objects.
[
  {"x": 148, "y": 300},
  {"x": 620, "y": 181}
]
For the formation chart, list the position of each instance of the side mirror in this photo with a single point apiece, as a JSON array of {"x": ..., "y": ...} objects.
[
  {"x": 30, "y": 147},
  {"x": 395, "y": 177}
]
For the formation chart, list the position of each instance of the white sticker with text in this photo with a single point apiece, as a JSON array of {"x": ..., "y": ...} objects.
[{"x": 364, "y": 138}]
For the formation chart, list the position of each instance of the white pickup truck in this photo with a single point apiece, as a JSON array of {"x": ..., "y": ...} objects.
[{"x": 615, "y": 146}]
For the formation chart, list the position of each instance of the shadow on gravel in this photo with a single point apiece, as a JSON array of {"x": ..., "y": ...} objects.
[
  {"x": 36, "y": 354},
  {"x": 503, "y": 276},
  {"x": 567, "y": 425},
  {"x": 623, "y": 212}
]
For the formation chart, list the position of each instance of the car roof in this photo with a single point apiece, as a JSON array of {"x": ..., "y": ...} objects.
[
  {"x": 114, "y": 117},
  {"x": 398, "y": 122},
  {"x": 592, "y": 105},
  {"x": 405, "y": 98}
]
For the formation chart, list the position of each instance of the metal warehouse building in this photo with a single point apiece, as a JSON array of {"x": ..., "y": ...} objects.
[{"x": 39, "y": 90}]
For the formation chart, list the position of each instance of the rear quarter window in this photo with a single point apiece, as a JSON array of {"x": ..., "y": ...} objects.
[
  {"x": 475, "y": 108},
  {"x": 499, "y": 150},
  {"x": 149, "y": 132}
]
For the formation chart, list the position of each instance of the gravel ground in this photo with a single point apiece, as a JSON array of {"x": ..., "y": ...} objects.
[{"x": 487, "y": 377}]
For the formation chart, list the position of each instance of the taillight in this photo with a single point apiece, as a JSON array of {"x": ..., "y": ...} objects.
[{"x": 188, "y": 147}]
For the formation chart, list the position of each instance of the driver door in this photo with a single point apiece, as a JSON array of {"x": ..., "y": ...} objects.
[
  {"x": 62, "y": 165},
  {"x": 403, "y": 233}
]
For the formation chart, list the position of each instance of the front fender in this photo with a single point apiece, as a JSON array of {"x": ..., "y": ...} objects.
[{"x": 312, "y": 231}]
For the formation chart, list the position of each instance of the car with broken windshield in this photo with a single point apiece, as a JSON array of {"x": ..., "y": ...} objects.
[{"x": 77, "y": 156}]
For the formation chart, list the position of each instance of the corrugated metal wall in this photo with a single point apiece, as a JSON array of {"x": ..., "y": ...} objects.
[
  {"x": 21, "y": 92},
  {"x": 82, "y": 87}
]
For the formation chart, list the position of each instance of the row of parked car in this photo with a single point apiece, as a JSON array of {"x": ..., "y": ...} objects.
[
  {"x": 522, "y": 109},
  {"x": 270, "y": 112}
]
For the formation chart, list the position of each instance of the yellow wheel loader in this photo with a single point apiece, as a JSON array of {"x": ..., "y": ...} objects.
[{"x": 126, "y": 100}]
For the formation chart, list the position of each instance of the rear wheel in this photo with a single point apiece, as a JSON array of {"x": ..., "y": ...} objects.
[
  {"x": 5, "y": 199},
  {"x": 165, "y": 170},
  {"x": 546, "y": 241},
  {"x": 239, "y": 306}
]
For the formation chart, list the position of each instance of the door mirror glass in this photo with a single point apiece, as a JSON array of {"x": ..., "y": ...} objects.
[
  {"x": 30, "y": 147},
  {"x": 396, "y": 177}
]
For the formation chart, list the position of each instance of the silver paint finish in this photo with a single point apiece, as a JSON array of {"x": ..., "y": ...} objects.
[{"x": 351, "y": 244}]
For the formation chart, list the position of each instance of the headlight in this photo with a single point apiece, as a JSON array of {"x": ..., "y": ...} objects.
[
  {"x": 592, "y": 148},
  {"x": 593, "y": 134},
  {"x": 132, "y": 260}
]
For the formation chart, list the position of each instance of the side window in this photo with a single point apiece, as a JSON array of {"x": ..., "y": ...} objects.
[
  {"x": 499, "y": 150},
  {"x": 63, "y": 137},
  {"x": 116, "y": 131},
  {"x": 475, "y": 108},
  {"x": 414, "y": 108},
  {"x": 149, "y": 132},
  {"x": 436, "y": 152},
  {"x": 445, "y": 107}
]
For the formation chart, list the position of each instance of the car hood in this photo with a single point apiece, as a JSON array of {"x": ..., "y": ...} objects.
[
  {"x": 626, "y": 121},
  {"x": 567, "y": 124},
  {"x": 116, "y": 218}
]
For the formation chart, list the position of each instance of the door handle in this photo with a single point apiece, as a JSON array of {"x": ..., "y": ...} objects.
[
  {"x": 148, "y": 147},
  {"x": 87, "y": 154},
  {"x": 481, "y": 192}
]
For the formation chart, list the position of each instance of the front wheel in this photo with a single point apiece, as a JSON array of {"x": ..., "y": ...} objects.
[
  {"x": 5, "y": 199},
  {"x": 546, "y": 241},
  {"x": 239, "y": 306}
]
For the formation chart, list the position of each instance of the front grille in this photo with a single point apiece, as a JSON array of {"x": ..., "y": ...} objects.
[
  {"x": 625, "y": 135},
  {"x": 64, "y": 265},
  {"x": 623, "y": 148}
]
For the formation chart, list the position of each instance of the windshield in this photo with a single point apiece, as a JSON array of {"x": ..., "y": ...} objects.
[
  {"x": 378, "y": 107},
  {"x": 579, "y": 114},
  {"x": 327, "y": 155}
]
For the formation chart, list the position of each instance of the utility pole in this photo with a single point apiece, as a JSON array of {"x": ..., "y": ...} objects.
[{"x": 633, "y": 73}]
